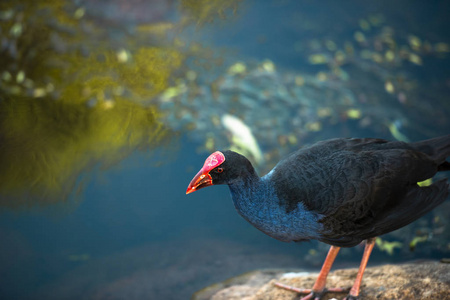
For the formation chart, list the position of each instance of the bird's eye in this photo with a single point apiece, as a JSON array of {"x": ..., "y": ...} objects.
[{"x": 219, "y": 170}]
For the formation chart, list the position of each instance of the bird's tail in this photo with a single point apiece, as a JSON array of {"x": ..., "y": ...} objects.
[
  {"x": 420, "y": 200},
  {"x": 438, "y": 149}
]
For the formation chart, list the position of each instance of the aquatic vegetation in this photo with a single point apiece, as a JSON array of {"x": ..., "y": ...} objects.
[
  {"x": 207, "y": 11},
  {"x": 354, "y": 113},
  {"x": 394, "y": 129},
  {"x": 237, "y": 68},
  {"x": 416, "y": 240},
  {"x": 387, "y": 246}
]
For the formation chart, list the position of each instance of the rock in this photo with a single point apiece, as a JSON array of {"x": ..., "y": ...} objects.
[
  {"x": 415, "y": 280},
  {"x": 238, "y": 288}
]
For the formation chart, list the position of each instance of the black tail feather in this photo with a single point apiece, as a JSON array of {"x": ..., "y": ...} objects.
[
  {"x": 438, "y": 149},
  {"x": 445, "y": 166},
  {"x": 422, "y": 201}
]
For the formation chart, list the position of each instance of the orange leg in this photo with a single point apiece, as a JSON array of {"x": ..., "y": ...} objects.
[
  {"x": 354, "y": 292},
  {"x": 319, "y": 287},
  {"x": 327, "y": 264}
]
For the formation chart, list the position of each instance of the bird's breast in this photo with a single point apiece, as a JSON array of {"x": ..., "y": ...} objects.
[{"x": 263, "y": 211}]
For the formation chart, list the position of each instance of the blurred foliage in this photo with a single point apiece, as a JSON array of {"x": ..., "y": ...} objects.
[
  {"x": 387, "y": 246},
  {"x": 70, "y": 99},
  {"x": 416, "y": 240}
]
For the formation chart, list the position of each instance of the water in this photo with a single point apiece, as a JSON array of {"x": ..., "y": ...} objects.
[{"x": 115, "y": 107}]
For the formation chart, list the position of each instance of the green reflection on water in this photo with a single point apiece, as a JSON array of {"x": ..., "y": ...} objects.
[{"x": 71, "y": 99}]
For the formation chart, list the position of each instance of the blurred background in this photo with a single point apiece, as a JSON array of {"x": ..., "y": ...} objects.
[{"x": 109, "y": 108}]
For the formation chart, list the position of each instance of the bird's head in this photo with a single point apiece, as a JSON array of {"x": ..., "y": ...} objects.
[{"x": 220, "y": 168}]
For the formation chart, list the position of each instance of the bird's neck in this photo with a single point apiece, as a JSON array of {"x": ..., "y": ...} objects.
[
  {"x": 247, "y": 190},
  {"x": 249, "y": 195}
]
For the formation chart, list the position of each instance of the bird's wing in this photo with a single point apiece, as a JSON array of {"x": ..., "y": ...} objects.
[
  {"x": 323, "y": 179},
  {"x": 352, "y": 177}
]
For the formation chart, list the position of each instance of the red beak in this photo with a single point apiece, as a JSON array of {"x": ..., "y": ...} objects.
[{"x": 201, "y": 180}]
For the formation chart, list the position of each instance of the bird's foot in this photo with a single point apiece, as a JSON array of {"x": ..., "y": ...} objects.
[
  {"x": 351, "y": 297},
  {"x": 311, "y": 294}
]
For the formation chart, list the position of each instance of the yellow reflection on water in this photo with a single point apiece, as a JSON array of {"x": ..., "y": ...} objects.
[
  {"x": 46, "y": 145},
  {"x": 69, "y": 100}
]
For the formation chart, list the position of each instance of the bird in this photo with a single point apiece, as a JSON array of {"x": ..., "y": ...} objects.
[{"x": 341, "y": 192}]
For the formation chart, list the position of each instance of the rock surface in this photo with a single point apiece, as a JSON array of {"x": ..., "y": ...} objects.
[{"x": 416, "y": 280}]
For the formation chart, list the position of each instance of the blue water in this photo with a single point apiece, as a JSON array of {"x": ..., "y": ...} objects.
[
  {"x": 124, "y": 211},
  {"x": 132, "y": 233}
]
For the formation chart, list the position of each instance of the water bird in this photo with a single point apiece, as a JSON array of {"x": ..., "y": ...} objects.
[{"x": 341, "y": 192}]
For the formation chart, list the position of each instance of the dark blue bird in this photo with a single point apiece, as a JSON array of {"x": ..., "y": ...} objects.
[{"x": 340, "y": 192}]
